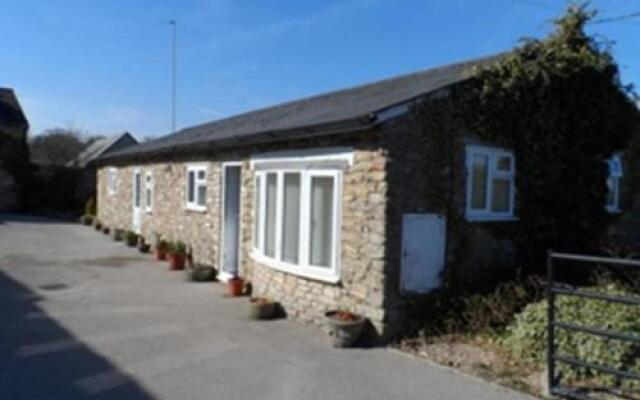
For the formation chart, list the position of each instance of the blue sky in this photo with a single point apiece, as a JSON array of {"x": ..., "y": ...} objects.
[{"x": 104, "y": 66}]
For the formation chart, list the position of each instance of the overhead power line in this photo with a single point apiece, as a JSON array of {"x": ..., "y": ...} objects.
[{"x": 618, "y": 18}]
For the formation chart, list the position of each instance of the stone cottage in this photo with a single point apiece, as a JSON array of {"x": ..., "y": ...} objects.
[
  {"x": 317, "y": 202},
  {"x": 14, "y": 152}
]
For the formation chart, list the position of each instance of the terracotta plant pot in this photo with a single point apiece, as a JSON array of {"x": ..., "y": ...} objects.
[
  {"x": 261, "y": 308},
  {"x": 235, "y": 286},
  {"x": 161, "y": 254},
  {"x": 345, "y": 327},
  {"x": 176, "y": 262}
]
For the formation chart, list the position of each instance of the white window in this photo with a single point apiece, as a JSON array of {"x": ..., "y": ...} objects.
[
  {"x": 197, "y": 187},
  {"x": 613, "y": 184},
  {"x": 296, "y": 225},
  {"x": 148, "y": 192},
  {"x": 112, "y": 180},
  {"x": 490, "y": 183}
]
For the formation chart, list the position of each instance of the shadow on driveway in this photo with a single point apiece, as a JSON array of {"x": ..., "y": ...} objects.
[
  {"x": 29, "y": 370},
  {"x": 33, "y": 219}
]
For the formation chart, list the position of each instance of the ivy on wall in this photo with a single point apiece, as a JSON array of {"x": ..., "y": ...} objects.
[{"x": 559, "y": 104}]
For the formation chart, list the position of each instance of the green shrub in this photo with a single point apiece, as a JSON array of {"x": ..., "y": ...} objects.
[
  {"x": 526, "y": 337},
  {"x": 444, "y": 312},
  {"x": 90, "y": 207},
  {"x": 131, "y": 238},
  {"x": 178, "y": 248}
]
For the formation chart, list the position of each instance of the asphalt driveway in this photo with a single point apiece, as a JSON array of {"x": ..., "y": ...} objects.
[{"x": 84, "y": 317}]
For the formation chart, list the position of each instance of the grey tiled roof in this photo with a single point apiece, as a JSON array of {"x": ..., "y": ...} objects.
[
  {"x": 98, "y": 148},
  {"x": 354, "y": 106}
]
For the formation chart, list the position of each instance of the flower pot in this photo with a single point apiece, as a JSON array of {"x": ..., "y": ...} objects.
[
  {"x": 143, "y": 247},
  {"x": 202, "y": 274},
  {"x": 161, "y": 254},
  {"x": 176, "y": 262},
  {"x": 235, "y": 286},
  {"x": 118, "y": 235},
  {"x": 260, "y": 308},
  {"x": 105, "y": 230},
  {"x": 345, "y": 327}
]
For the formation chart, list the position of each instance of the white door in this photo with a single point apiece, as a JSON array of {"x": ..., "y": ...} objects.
[
  {"x": 230, "y": 221},
  {"x": 137, "y": 209},
  {"x": 423, "y": 251}
]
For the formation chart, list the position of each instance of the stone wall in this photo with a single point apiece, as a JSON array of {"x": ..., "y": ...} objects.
[
  {"x": 168, "y": 217},
  {"x": 9, "y": 198},
  {"x": 364, "y": 191}
]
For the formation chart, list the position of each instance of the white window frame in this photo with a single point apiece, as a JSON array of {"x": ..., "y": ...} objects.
[
  {"x": 197, "y": 182},
  {"x": 492, "y": 153},
  {"x": 112, "y": 181},
  {"x": 303, "y": 267},
  {"x": 148, "y": 191},
  {"x": 615, "y": 174}
]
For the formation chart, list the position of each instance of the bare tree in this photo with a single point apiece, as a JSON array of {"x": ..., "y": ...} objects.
[{"x": 56, "y": 146}]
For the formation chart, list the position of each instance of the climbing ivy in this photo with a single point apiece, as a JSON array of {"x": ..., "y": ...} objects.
[{"x": 559, "y": 104}]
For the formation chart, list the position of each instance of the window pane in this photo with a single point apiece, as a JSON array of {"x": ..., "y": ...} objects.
[
  {"x": 291, "y": 218},
  {"x": 190, "y": 186},
  {"x": 501, "y": 196},
  {"x": 321, "y": 221},
  {"x": 202, "y": 195},
  {"x": 136, "y": 190},
  {"x": 479, "y": 169},
  {"x": 201, "y": 175},
  {"x": 612, "y": 185},
  {"x": 270, "y": 217},
  {"x": 503, "y": 164},
  {"x": 256, "y": 213}
]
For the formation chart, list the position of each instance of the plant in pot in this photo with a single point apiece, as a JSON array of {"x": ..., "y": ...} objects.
[
  {"x": 235, "y": 286},
  {"x": 345, "y": 327},
  {"x": 118, "y": 234},
  {"x": 143, "y": 247},
  {"x": 262, "y": 308},
  {"x": 105, "y": 230},
  {"x": 161, "y": 248},
  {"x": 86, "y": 219},
  {"x": 131, "y": 238},
  {"x": 97, "y": 224},
  {"x": 202, "y": 273},
  {"x": 177, "y": 255}
]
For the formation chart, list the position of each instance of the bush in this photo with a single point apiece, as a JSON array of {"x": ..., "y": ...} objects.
[
  {"x": 131, "y": 238},
  {"x": 90, "y": 207},
  {"x": 86, "y": 219},
  {"x": 526, "y": 337},
  {"x": 178, "y": 248},
  {"x": 444, "y": 312}
]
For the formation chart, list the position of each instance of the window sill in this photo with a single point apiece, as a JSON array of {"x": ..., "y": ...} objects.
[
  {"x": 612, "y": 210},
  {"x": 198, "y": 209},
  {"x": 491, "y": 218},
  {"x": 302, "y": 272},
  {"x": 148, "y": 211}
]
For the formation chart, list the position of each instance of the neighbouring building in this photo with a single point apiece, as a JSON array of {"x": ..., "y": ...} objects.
[
  {"x": 14, "y": 152},
  {"x": 319, "y": 202},
  {"x": 86, "y": 179}
]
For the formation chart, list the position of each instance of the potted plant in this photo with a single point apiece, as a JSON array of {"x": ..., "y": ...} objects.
[
  {"x": 177, "y": 255},
  {"x": 235, "y": 286},
  {"x": 118, "y": 234},
  {"x": 131, "y": 238},
  {"x": 345, "y": 327},
  {"x": 202, "y": 273},
  {"x": 105, "y": 230},
  {"x": 86, "y": 219},
  {"x": 161, "y": 248},
  {"x": 142, "y": 246},
  {"x": 262, "y": 308},
  {"x": 97, "y": 224}
]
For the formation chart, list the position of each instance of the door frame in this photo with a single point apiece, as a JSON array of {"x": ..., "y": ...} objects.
[
  {"x": 428, "y": 216},
  {"x": 223, "y": 276},
  {"x": 136, "y": 210}
]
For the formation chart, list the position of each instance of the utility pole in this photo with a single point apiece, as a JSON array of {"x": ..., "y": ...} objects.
[{"x": 173, "y": 75}]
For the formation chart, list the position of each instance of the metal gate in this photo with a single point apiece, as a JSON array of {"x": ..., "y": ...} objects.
[{"x": 556, "y": 387}]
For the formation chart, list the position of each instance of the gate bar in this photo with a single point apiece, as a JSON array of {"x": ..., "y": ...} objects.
[
  {"x": 601, "y": 368},
  {"x": 599, "y": 332}
]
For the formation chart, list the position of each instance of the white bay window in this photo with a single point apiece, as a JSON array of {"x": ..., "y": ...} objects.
[
  {"x": 296, "y": 221},
  {"x": 490, "y": 183}
]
